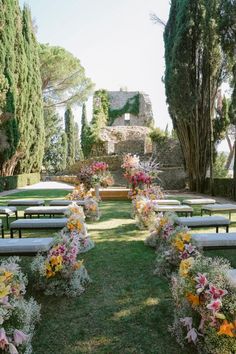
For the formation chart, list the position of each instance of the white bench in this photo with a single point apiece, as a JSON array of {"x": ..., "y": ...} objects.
[
  {"x": 36, "y": 224},
  {"x": 204, "y": 221},
  {"x": 232, "y": 277},
  {"x": 25, "y": 246},
  {"x": 26, "y": 202},
  {"x": 8, "y": 211},
  {"x": 219, "y": 208},
  {"x": 215, "y": 240},
  {"x": 185, "y": 209},
  {"x": 167, "y": 201},
  {"x": 198, "y": 201},
  {"x": 45, "y": 210},
  {"x": 61, "y": 202}
]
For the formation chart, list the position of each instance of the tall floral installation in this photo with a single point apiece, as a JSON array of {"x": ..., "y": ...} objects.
[
  {"x": 204, "y": 298},
  {"x": 18, "y": 316},
  {"x": 59, "y": 272},
  {"x": 143, "y": 192}
]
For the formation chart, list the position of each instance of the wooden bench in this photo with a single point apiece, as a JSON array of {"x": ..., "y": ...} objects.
[
  {"x": 183, "y": 209},
  {"x": 45, "y": 210},
  {"x": 8, "y": 211},
  {"x": 215, "y": 240},
  {"x": 36, "y": 224},
  {"x": 198, "y": 201},
  {"x": 167, "y": 201},
  {"x": 26, "y": 202},
  {"x": 219, "y": 208},
  {"x": 1, "y": 226},
  {"x": 25, "y": 246},
  {"x": 64, "y": 202},
  {"x": 204, "y": 221}
]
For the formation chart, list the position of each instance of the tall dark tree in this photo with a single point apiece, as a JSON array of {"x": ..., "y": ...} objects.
[
  {"x": 78, "y": 150},
  {"x": 84, "y": 129},
  {"x": 70, "y": 132},
  {"x": 194, "y": 71}
]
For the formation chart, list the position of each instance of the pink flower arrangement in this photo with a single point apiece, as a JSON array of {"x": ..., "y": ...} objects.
[
  {"x": 99, "y": 167},
  {"x": 139, "y": 179}
]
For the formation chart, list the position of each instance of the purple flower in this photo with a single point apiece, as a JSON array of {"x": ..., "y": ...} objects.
[
  {"x": 3, "y": 339},
  {"x": 12, "y": 349},
  {"x": 19, "y": 337},
  {"x": 192, "y": 335}
]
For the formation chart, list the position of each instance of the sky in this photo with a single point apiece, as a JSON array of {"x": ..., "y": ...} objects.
[{"x": 115, "y": 41}]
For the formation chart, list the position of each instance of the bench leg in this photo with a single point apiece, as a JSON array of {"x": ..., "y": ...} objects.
[
  {"x": 16, "y": 214},
  {"x": 11, "y": 231},
  {"x": 19, "y": 233},
  {"x": 7, "y": 220},
  {"x": 217, "y": 229},
  {"x": 2, "y": 231},
  {"x": 227, "y": 228}
]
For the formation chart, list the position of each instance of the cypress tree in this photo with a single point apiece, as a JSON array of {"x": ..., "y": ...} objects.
[
  {"x": 78, "y": 151},
  {"x": 84, "y": 130},
  {"x": 64, "y": 150},
  {"x": 33, "y": 126},
  {"x": 70, "y": 132}
]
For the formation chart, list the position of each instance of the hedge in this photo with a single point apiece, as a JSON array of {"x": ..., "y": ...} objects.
[
  {"x": 223, "y": 187},
  {"x": 12, "y": 182}
]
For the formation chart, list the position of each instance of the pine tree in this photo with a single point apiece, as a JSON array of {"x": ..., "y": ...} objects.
[{"x": 70, "y": 132}]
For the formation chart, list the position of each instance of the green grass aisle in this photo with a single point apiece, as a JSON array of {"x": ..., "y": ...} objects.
[{"x": 126, "y": 309}]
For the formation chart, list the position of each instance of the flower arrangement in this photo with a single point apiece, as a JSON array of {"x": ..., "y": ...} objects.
[
  {"x": 139, "y": 180},
  {"x": 91, "y": 209},
  {"x": 161, "y": 230},
  {"x": 130, "y": 164},
  {"x": 152, "y": 193},
  {"x": 75, "y": 223},
  {"x": 72, "y": 209},
  {"x": 99, "y": 167},
  {"x": 79, "y": 193},
  {"x": 144, "y": 212},
  {"x": 205, "y": 310},
  {"x": 59, "y": 272},
  {"x": 107, "y": 180},
  {"x": 18, "y": 316},
  {"x": 85, "y": 176}
]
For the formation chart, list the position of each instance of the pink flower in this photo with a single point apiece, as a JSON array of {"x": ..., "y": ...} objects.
[
  {"x": 215, "y": 292},
  {"x": 201, "y": 282},
  {"x": 3, "y": 339},
  {"x": 192, "y": 335},
  {"x": 19, "y": 337},
  {"x": 215, "y": 305},
  {"x": 12, "y": 349},
  {"x": 187, "y": 322}
]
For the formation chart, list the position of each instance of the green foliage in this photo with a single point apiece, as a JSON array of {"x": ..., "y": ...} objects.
[
  {"x": 219, "y": 170},
  {"x": 78, "y": 150},
  {"x": 16, "y": 181},
  {"x": 222, "y": 120},
  {"x": 131, "y": 106},
  {"x": 21, "y": 129},
  {"x": 84, "y": 130},
  {"x": 70, "y": 133},
  {"x": 159, "y": 135},
  {"x": 63, "y": 77},
  {"x": 195, "y": 68}
]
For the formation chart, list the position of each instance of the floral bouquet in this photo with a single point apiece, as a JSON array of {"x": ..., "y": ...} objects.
[
  {"x": 75, "y": 223},
  {"x": 59, "y": 272},
  {"x": 79, "y": 193},
  {"x": 91, "y": 209},
  {"x": 85, "y": 177},
  {"x": 99, "y": 167},
  {"x": 144, "y": 212},
  {"x": 107, "y": 180},
  {"x": 161, "y": 230},
  {"x": 152, "y": 193},
  {"x": 140, "y": 180},
  {"x": 205, "y": 310},
  {"x": 131, "y": 164},
  {"x": 18, "y": 316},
  {"x": 73, "y": 208}
]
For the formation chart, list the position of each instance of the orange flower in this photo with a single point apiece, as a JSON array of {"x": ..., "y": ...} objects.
[
  {"x": 179, "y": 244},
  {"x": 193, "y": 299},
  {"x": 226, "y": 328}
]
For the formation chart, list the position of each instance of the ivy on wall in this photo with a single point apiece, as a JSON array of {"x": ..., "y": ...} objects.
[{"x": 131, "y": 106}]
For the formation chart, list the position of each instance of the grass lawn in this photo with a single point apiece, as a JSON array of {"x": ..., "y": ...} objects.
[{"x": 126, "y": 309}]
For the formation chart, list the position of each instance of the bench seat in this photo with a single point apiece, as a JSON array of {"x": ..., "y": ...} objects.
[
  {"x": 45, "y": 210},
  {"x": 167, "y": 201},
  {"x": 26, "y": 202},
  {"x": 37, "y": 224},
  {"x": 61, "y": 202},
  {"x": 215, "y": 240},
  {"x": 219, "y": 208},
  {"x": 25, "y": 246},
  {"x": 198, "y": 201},
  {"x": 8, "y": 211},
  {"x": 204, "y": 221},
  {"x": 187, "y": 210}
]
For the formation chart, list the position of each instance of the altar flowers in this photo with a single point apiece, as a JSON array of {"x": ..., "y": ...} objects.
[
  {"x": 144, "y": 212},
  {"x": 18, "y": 316},
  {"x": 59, "y": 272},
  {"x": 205, "y": 306}
]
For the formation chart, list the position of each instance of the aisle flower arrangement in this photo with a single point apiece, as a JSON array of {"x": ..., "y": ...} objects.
[
  {"x": 91, "y": 209},
  {"x": 161, "y": 230},
  {"x": 131, "y": 164},
  {"x": 17, "y": 315},
  {"x": 79, "y": 193},
  {"x": 144, "y": 212},
  {"x": 205, "y": 306},
  {"x": 59, "y": 272}
]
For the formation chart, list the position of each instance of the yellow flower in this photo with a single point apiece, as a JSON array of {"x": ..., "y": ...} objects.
[
  {"x": 186, "y": 237},
  {"x": 4, "y": 290},
  {"x": 226, "y": 328},
  {"x": 179, "y": 244},
  {"x": 193, "y": 299},
  {"x": 56, "y": 260},
  {"x": 78, "y": 264},
  {"x": 185, "y": 265}
]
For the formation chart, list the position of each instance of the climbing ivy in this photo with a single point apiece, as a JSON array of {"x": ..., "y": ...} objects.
[{"x": 131, "y": 106}]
